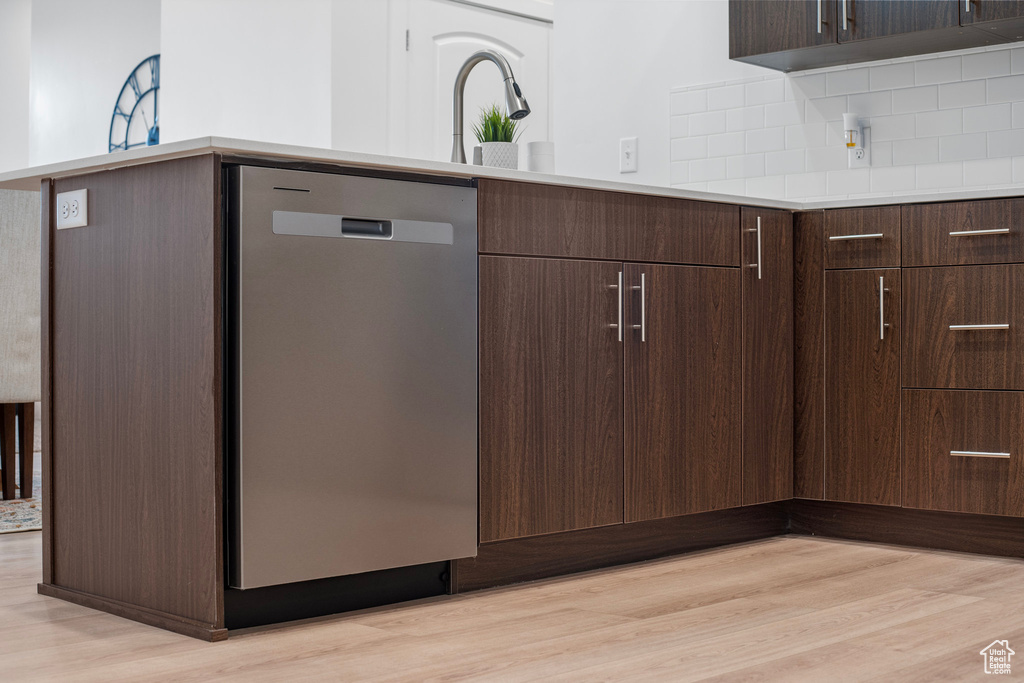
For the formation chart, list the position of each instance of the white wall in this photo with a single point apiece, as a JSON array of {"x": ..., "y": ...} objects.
[
  {"x": 253, "y": 69},
  {"x": 15, "y": 51},
  {"x": 614, "y": 64},
  {"x": 81, "y": 54}
]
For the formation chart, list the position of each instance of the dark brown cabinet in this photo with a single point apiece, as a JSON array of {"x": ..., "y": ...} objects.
[
  {"x": 550, "y": 396},
  {"x": 963, "y": 233},
  {"x": 767, "y": 26},
  {"x": 682, "y": 390},
  {"x": 863, "y": 237},
  {"x": 867, "y": 19},
  {"x": 1004, "y": 18},
  {"x": 862, "y": 386},
  {"x": 767, "y": 290}
]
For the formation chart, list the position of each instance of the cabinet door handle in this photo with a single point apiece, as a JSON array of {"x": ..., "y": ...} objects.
[
  {"x": 998, "y": 326},
  {"x": 758, "y": 231},
  {"x": 980, "y": 454},
  {"x": 968, "y": 233},
  {"x": 618, "y": 289},
  {"x": 643, "y": 309},
  {"x": 881, "y": 307},
  {"x": 819, "y": 16},
  {"x": 844, "y": 14},
  {"x": 866, "y": 236},
  {"x": 967, "y": 6}
]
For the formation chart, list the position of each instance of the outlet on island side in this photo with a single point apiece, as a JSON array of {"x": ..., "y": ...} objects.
[
  {"x": 627, "y": 155},
  {"x": 73, "y": 209}
]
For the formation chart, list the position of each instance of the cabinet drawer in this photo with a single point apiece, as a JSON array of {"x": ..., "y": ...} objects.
[
  {"x": 962, "y": 327},
  {"x": 962, "y": 451},
  {"x": 963, "y": 233},
  {"x": 545, "y": 220},
  {"x": 863, "y": 238}
]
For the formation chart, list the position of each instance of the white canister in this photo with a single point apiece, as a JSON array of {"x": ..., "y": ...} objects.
[
  {"x": 500, "y": 154},
  {"x": 540, "y": 156}
]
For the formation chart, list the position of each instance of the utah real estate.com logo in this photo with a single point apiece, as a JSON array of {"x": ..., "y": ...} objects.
[{"x": 997, "y": 657}]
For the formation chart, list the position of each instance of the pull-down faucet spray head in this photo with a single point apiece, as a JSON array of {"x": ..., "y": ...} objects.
[{"x": 515, "y": 104}]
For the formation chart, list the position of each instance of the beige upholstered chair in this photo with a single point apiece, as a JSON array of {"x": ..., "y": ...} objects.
[{"x": 19, "y": 333}]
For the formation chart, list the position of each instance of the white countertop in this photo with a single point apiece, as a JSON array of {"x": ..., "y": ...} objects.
[{"x": 29, "y": 178}]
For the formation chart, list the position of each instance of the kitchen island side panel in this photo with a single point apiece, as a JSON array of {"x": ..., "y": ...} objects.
[{"x": 135, "y": 404}]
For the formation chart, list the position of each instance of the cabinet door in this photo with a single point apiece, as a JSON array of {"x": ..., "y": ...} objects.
[
  {"x": 682, "y": 405},
  {"x": 767, "y": 274},
  {"x": 980, "y": 11},
  {"x": 867, "y": 19},
  {"x": 766, "y": 26},
  {"x": 550, "y": 396},
  {"x": 862, "y": 386}
]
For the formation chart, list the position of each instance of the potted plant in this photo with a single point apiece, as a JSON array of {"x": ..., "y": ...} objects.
[{"x": 497, "y": 135}]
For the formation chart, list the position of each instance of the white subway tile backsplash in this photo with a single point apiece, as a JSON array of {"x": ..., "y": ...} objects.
[
  {"x": 943, "y": 122},
  {"x": 893, "y": 179},
  {"x": 766, "y": 140},
  {"x": 784, "y": 162},
  {"x": 848, "y": 81},
  {"x": 919, "y": 151},
  {"x": 707, "y": 123},
  {"x": 707, "y": 169},
  {"x": 986, "y": 64},
  {"x": 805, "y": 135},
  {"x": 726, "y": 144},
  {"x": 727, "y": 97},
  {"x": 965, "y": 94},
  {"x": 746, "y": 118},
  {"x": 891, "y": 76},
  {"x": 988, "y": 172},
  {"x": 899, "y": 127},
  {"x": 1006, "y": 89},
  {"x": 940, "y": 122},
  {"x": 765, "y": 92},
  {"x": 783, "y": 113},
  {"x": 944, "y": 70},
  {"x": 746, "y": 166},
  {"x": 1006, "y": 143},
  {"x": 960, "y": 147},
  {"x": 688, "y": 102},
  {"x": 989, "y": 117},
  {"x": 936, "y": 176},
  {"x": 910, "y": 100}
]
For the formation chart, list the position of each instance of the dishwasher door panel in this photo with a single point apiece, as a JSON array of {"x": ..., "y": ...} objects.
[{"x": 357, "y": 441}]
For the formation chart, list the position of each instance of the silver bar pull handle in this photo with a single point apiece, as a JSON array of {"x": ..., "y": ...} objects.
[
  {"x": 967, "y": 6},
  {"x": 980, "y": 454},
  {"x": 844, "y": 15},
  {"x": 819, "y": 16},
  {"x": 866, "y": 236},
  {"x": 998, "y": 326},
  {"x": 968, "y": 233},
  {"x": 618, "y": 287},
  {"x": 643, "y": 309},
  {"x": 881, "y": 307},
  {"x": 758, "y": 231}
]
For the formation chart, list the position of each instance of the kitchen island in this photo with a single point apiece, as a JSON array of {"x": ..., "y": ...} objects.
[{"x": 657, "y": 374}]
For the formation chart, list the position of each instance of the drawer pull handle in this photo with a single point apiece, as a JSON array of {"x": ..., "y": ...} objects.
[
  {"x": 968, "y": 233},
  {"x": 1000, "y": 326},
  {"x": 867, "y": 236},
  {"x": 980, "y": 454}
]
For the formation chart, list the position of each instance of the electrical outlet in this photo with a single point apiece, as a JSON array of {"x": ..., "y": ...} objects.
[
  {"x": 73, "y": 209},
  {"x": 627, "y": 155},
  {"x": 860, "y": 156}
]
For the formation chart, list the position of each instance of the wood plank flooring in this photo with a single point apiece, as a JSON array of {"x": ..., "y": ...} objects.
[{"x": 791, "y": 608}]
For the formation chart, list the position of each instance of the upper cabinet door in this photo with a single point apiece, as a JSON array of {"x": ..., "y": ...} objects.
[
  {"x": 866, "y": 19},
  {"x": 767, "y": 248},
  {"x": 682, "y": 389},
  {"x": 767, "y": 26},
  {"x": 980, "y": 11}
]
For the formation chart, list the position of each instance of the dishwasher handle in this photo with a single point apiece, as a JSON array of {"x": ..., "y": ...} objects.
[{"x": 366, "y": 227}]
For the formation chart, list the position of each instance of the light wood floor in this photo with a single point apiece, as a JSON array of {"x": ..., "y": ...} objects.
[{"x": 789, "y": 608}]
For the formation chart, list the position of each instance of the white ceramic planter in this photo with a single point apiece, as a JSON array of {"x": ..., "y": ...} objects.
[{"x": 500, "y": 154}]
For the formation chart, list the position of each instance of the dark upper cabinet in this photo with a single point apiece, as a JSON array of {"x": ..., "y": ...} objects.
[
  {"x": 862, "y": 386},
  {"x": 682, "y": 390},
  {"x": 767, "y": 300},
  {"x": 769, "y": 26},
  {"x": 550, "y": 396},
  {"x": 867, "y": 19},
  {"x": 1002, "y": 18}
]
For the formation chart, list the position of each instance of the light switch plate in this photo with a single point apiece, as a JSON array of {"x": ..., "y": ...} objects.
[
  {"x": 73, "y": 209},
  {"x": 627, "y": 155}
]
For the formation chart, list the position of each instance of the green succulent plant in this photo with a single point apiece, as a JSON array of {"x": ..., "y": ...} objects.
[{"x": 495, "y": 126}]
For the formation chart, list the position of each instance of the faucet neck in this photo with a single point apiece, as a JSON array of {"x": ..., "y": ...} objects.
[{"x": 458, "y": 149}]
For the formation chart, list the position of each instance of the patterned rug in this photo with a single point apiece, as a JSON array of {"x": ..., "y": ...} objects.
[{"x": 23, "y": 514}]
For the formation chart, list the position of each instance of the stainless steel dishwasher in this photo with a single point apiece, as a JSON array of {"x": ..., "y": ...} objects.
[{"x": 353, "y": 362}]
